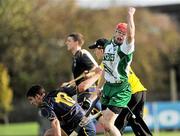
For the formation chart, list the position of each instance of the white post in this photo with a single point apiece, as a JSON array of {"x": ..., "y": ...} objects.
[{"x": 173, "y": 85}]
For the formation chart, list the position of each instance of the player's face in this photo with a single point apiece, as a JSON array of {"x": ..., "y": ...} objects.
[
  {"x": 99, "y": 53},
  {"x": 36, "y": 101},
  {"x": 71, "y": 44},
  {"x": 119, "y": 36}
]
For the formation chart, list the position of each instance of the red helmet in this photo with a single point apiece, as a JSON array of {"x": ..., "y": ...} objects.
[{"x": 121, "y": 27}]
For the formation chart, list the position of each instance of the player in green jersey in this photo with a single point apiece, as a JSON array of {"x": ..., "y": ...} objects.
[{"x": 116, "y": 91}]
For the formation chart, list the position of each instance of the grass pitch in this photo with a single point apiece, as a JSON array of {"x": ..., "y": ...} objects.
[
  {"x": 19, "y": 129},
  {"x": 31, "y": 129}
]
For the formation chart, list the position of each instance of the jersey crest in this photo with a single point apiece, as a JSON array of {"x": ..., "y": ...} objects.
[{"x": 108, "y": 57}]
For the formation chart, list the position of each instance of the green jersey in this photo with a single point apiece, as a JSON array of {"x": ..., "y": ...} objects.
[{"x": 117, "y": 60}]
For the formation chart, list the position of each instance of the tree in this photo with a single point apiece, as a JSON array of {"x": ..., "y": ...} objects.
[
  {"x": 6, "y": 94},
  {"x": 33, "y": 33}
]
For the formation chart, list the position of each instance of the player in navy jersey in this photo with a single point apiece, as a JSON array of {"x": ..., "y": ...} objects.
[{"x": 60, "y": 109}]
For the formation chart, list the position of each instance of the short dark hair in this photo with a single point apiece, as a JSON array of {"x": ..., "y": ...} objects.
[
  {"x": 34, "y": 90},
  {"x": 77, "y": 37}
]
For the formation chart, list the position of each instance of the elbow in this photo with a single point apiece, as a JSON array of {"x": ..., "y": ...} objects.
[
  {"x": 99, "y": 74},
  {"x": 130, "y": 38},
  {"x": 98, "y": 71},
  {"x": 81, "y": 87}
]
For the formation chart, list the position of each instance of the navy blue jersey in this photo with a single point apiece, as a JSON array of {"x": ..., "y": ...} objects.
[
  {"x": 82, "y": 61},
  {"x": 70, "y": 91},
  {"x": 59, "y": 105}
]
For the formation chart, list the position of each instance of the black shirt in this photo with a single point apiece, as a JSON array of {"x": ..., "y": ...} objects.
[{"x": 82, "y": 61}]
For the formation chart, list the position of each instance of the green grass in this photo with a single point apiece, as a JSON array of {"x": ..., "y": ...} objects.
[
  {"x": 31, "y": 129},
  {"x": 19, "y": 129},
  {"x": 163, "y": 133}
]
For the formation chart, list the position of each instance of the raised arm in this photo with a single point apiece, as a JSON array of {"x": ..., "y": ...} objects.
[{"x": 130, "y": 25}]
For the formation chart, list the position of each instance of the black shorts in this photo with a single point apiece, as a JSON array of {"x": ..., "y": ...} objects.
[{"x": 116, "y": 110}]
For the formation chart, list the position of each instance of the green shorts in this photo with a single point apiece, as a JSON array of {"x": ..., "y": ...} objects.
[{"x": 116, "y": 94}]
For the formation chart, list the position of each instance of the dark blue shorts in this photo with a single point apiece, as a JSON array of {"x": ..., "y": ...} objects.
[{"x": 89, "y": 129}]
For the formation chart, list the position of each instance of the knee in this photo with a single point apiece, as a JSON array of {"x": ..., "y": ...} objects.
[
  {"x": 102, "y": 123},
  {"x": 107, "y": 125}
]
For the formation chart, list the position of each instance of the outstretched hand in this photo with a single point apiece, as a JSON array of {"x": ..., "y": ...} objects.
[
  {"x": 131, "y": 10},
  {"x": 64, "y": 84}
]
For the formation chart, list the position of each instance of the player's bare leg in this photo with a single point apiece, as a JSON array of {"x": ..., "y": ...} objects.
[
  {"x": 109, "y": 118},
  {"x": 101, "y": 121},
  {"x": 50, "y": 132}
]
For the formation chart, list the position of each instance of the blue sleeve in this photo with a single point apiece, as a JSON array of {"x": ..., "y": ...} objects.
[{"x": 47, "y": 113}]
